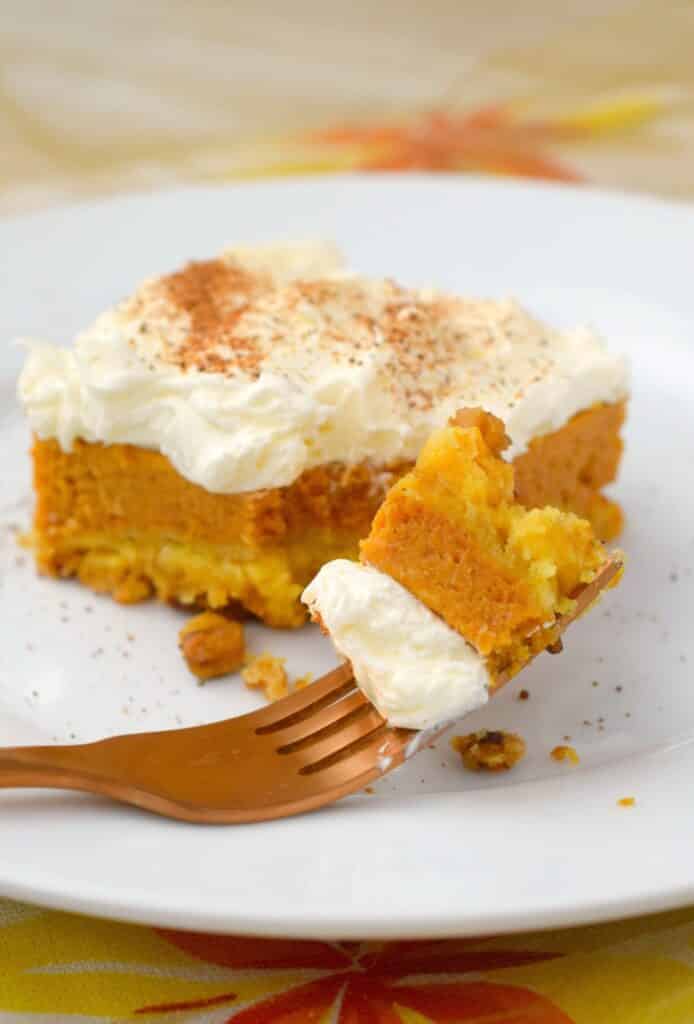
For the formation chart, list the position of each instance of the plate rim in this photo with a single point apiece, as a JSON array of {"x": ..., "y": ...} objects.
[
  {"x": 290, "y": 927},
  {"x": 595, "y": 190}
]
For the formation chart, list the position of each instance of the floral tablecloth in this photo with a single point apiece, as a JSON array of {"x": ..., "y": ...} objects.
[
  {"x": 96, "y": 98},
  {"x": 55, "y": 965}
]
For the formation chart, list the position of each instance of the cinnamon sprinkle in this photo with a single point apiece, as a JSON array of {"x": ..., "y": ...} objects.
[
  {"x": 217, "y": 316},
  {"x": 214, "y": 294}
]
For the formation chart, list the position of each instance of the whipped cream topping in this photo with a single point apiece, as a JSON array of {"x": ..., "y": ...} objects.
[
  {"x": 411, "y": 665},
  {"x": 249, "y": 369},
  {"x": 287, "y": 261}
]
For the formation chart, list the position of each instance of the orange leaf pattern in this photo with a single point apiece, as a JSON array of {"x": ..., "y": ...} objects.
[
  {"x": 365, "y": 984},
  {"x": 497, "y": 139}
]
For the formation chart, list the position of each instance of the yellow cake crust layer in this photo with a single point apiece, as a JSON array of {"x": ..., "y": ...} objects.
[{"x": 125, "y": 522}]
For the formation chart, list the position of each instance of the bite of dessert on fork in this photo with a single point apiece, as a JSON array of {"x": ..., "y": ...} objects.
[{"x": 459, "y": 585}]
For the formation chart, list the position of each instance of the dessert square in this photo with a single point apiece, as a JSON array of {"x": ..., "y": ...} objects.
[{"x": 234, "y": 425}]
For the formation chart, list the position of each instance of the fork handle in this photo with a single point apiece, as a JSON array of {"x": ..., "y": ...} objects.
[
  {"x": 66, "y": 767},
  {"x": 38, "y": 766},
  {"x": 18, "y": 774}
]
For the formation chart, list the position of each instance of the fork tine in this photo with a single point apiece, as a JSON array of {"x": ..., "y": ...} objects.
[
  {"x": 338, "y": 741},
  {"x": 305, "y": 702},
  {"x": 333, "y": 717},
  {"x": 378, "y": 752},
  {"x": 365, "y": 761}
]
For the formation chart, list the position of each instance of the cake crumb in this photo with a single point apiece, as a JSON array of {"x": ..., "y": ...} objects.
[
  {"x": 524, "y": 695},
  {"x": 626, "y": 801},
  {"x": 212, "y": 645},
  {"x": 565, "y": 753},
  {"x": 301, "y": 682},
  {"x": 489, "y": 750},
  {"x": 267, "y": 672}
]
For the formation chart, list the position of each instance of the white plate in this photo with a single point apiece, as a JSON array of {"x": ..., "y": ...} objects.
[{"x": 435, "y": 851}]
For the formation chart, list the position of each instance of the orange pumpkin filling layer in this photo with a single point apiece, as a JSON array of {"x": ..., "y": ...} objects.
[{"x": 123, "y": 521}]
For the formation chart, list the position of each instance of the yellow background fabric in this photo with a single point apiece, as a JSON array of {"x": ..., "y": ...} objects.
[
  {"x": 100, "y": 97},
  {"x": 96, "y": 98},
  {"x": 57, "y": 965}
]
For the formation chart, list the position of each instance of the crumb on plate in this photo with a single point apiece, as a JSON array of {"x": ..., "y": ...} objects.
[
  {"x": 268, "y": 673},
  {"x": 212, "y": 645},
  {"x": 489, "y": 750},
  {"x": 565, "y": 753},
  {"x": 626, "y": 801}
]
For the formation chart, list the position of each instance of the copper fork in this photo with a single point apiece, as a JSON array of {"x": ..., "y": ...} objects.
[{"x": 307, "y": 750}]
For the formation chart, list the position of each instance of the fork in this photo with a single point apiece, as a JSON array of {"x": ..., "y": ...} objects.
[{"x": 303, "y": 752}]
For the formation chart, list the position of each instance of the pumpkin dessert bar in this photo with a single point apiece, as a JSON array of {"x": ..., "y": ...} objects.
[{"x": 234, "y": 425}]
